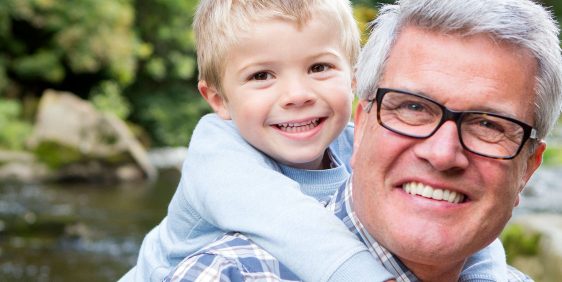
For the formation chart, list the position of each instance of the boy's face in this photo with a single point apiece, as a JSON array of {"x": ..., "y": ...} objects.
[{"x": 289, "y": 90}]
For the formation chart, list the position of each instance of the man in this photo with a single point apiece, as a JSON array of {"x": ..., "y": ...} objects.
[{"x": 456, "y": 98}]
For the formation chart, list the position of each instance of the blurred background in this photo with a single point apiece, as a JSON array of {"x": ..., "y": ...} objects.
[{"x": 98, "y": 99}]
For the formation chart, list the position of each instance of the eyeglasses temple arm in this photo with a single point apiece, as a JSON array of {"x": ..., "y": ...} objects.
[
  {"x": 370, "y": 105},
  {"x": 533, "y": 134}
]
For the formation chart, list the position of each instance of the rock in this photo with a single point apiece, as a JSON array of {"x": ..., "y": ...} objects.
[
  {"x": 546, "y": 264},
  {"x": 21, "y": 167},
  {"x": 168, "y": 158},
  {"x": 12, "y": 156},
  {"x": 128, "y": 173},
  {"x": 75, "y": 139},
  {"x": 26, "y": 173}
]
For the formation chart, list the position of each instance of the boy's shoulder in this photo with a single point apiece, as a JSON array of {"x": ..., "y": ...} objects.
[
  {"x": 215, "y": 120},
  {"x": 213, "y": 126},
  {"x": 213, "y": 134}
]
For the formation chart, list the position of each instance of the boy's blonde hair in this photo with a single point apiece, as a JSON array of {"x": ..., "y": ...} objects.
[{"x": 217, "y": 24}]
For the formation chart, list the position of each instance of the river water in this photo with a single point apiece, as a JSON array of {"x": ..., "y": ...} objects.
[{"x": 108, "y": 222}]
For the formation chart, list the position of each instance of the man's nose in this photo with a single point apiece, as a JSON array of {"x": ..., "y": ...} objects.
[
  {"x": 443, "y": 150},
  {"x": 297, "y": 93}
]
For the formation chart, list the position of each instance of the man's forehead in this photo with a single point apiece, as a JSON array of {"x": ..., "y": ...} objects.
[{"x": 472, "y": 72}]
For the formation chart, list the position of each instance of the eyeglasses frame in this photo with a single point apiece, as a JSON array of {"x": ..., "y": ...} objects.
[{"x": 528, "y": 131}]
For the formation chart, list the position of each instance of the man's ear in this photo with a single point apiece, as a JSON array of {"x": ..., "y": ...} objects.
[
  {"x": 533, "y": 163},
  {"x": 360, "y": 120},
  {"x": 211, "y": 95}
]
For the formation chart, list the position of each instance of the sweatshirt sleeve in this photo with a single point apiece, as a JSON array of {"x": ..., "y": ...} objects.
[{"x": 234, "y": 187}]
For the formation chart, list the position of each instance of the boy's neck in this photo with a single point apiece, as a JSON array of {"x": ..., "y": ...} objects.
[{"x": 326, "y": 160}]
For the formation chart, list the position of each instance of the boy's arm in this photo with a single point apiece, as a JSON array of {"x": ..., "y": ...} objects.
[
  {"x": 237, "y": 188},
  {"x": 487, "y": 264}
]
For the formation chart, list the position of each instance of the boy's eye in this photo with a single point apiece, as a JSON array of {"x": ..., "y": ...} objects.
[
  {"x": 319, "y": 68},
  {"x": 260, "y": 76}
]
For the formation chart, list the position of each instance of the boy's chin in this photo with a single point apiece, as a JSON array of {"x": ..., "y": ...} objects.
[{"x": 312, "y": 163}]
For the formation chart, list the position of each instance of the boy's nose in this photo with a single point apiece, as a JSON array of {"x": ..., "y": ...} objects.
[{"x": 297, "y": 94}]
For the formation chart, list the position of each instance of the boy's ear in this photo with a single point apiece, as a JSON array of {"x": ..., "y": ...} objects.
[{"x": 211, "y": 95}]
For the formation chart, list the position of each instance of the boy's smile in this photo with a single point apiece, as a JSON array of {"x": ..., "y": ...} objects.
[
  {"x": 299, "y": 126},
  {"x": 288, "y": 89}
]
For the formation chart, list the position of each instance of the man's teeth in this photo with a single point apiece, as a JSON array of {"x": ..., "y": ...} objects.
[
  {"x": 431, "y": 193},
  {"x": 299, "y": 126}
]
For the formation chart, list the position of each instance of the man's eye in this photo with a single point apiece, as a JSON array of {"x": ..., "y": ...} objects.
[
  {"x": 319, "y": 68},
  {"x": 490, "y": 125},
  {"x": 411, "y": 106},
  {"x": 261, "y": 76}
]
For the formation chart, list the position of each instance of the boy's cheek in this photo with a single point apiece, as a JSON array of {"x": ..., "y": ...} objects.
[{"x": 224, "y": 114}]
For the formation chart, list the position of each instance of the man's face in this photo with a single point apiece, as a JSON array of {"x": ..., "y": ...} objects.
[{"x": 471, "y": 73}]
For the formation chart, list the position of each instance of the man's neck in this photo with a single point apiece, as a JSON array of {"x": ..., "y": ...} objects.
[{"x": 438, "y": 273}]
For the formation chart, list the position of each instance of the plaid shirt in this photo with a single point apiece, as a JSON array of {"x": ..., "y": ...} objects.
[{"x": 234, "y": 257}]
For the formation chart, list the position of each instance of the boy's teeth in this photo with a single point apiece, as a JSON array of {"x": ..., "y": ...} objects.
[
  {"x": 299, "y": 126},
  {"x": 432, "y": 193}
]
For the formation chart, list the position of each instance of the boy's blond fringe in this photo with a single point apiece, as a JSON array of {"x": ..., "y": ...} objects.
[{"x": 218, "y": 23}]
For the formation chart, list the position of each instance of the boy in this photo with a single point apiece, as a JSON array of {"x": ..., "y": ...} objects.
[{"x": 282, "y": 72}]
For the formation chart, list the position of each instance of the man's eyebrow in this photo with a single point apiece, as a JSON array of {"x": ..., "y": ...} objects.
[
  {"x": 482, "y": 108},
  {"x": 491, "y": 110}
]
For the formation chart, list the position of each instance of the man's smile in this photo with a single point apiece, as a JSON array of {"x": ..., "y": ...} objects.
[{"x": 426, "y": 191}]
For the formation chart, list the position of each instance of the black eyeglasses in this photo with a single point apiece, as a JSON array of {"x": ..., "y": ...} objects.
[{"x": 485, "y": 134}]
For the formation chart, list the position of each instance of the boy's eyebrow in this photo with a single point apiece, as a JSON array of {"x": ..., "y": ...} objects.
[
  {"x": 267, "y": 63},
  {"x": 329, "y": 52},
  {"x": 252, "y": 64}
]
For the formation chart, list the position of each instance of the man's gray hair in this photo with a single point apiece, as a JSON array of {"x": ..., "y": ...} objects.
[{"x": 519, "y": 22}]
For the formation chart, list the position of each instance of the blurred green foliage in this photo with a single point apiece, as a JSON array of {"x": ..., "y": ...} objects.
[
  {"x": 121, "y": 54},
  {"x": 164, "y": 96},
  {"x": 364, "y": 14},
  {"x": 171, "y": 116},
  {"x": 49, "y": 40},
  {"x": 56, "y": 155},
  {"x": 14, "y": 131},
  {"x": 135, "y": 58},
  {"x": 517, "y": 242},
  {"x": 552, "y": 156},
  {"x": 107, "y": 97}
]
